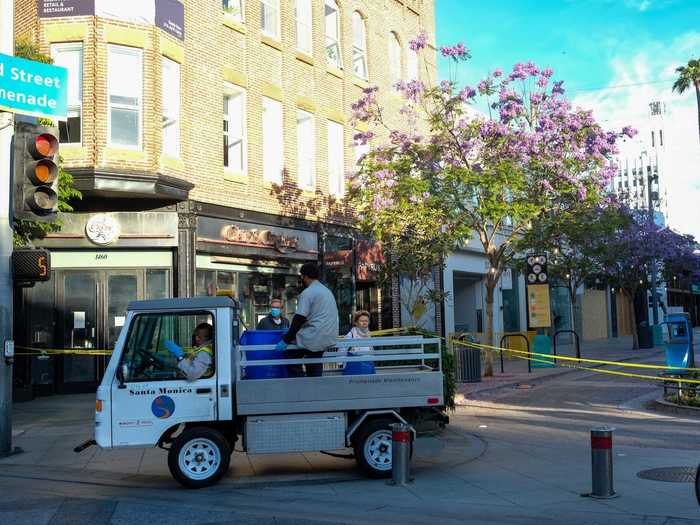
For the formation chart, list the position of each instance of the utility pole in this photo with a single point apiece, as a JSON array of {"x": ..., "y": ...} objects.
[
  {"x": 650, "y": 202},
  {"x": 6, "y": 292}
]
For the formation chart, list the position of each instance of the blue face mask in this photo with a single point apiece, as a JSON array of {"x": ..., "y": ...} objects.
[{"x": 275, "y": 312}]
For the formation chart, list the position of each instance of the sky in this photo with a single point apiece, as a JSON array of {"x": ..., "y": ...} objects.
[{"x": 615, "y": 56}]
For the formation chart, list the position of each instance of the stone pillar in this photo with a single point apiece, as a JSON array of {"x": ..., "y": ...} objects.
[{"x": 186, "y": 249}]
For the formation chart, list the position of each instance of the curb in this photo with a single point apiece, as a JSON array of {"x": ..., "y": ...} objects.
[
  {"x": 661, "y": 405},
  {"x": 461, "y": 399}
]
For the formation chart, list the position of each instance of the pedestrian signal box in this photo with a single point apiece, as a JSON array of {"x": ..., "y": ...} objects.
[
  {"x": 30, "y": 265},
  {"x": 35, "y": 172}
]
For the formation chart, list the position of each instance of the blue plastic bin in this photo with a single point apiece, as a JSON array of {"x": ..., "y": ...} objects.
[
  {"x": 358, "y": 368},
  {"x": 263, "y": 337}
]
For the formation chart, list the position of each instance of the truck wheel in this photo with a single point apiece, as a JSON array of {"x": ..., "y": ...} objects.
[
  {"x": 373, "y": 448},
  {"x": 199, "y": 457}
]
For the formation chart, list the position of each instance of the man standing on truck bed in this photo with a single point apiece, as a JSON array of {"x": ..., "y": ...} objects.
[{"x": 314, "y": 325}]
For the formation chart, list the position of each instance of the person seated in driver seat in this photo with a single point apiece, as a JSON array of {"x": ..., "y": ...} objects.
[{"x": 197, "y": 361}]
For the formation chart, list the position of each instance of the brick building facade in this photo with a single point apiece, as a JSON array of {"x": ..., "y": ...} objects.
[{"x": 167, "y": 210}]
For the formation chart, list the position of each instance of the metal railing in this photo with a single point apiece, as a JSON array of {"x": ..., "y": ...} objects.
[
  {"x": 527, "y": 345},
  {"x": 576, "y": 341}
]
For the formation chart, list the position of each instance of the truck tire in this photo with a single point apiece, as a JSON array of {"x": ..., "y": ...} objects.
[
  {"x": 199, "y": 457},
  {"x": 373, "y": 448}
]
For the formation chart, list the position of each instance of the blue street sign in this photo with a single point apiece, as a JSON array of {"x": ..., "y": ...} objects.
[{"x": 33, "y": 88}]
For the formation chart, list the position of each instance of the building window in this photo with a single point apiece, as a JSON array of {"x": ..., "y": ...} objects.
[
  {"x": 394, "y": 58},
  {"x": 661, "y": 137},
  {"x": 125, "y": 96},
  {"x": 332, "y": 15},
  {"x": 270, "y": 18},
  {"x": 652, "y": 138},
  {"x": 336, "y": 161},
  {"x": 233, "y": 8},
  {"x": 412, "y": 65},
  {"x": 234, "y": 129},
  {"x": 306, "y": 150},
  {"x": 273, "y": 147},
  {"x": 359, "y": 45},
  {"x": 70, "y": 56},
  {"x": 304, "y": 22},
  {"x": 171, "y": 108}
]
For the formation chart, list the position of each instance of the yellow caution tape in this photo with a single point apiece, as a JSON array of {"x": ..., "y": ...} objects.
[
  {"x": 578, "y": 360},
  {"x": 30, "y": 351}
]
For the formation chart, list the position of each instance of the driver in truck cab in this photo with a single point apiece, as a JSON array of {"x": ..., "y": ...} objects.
[{"x": 197, "y": 361}]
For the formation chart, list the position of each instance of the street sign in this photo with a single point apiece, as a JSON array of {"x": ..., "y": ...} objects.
[
  {"x": 538, "y": 305},
  {"x": 33, "y": 88}
]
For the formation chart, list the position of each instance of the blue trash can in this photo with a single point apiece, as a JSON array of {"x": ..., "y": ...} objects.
[
  {"x": 358, "y": 368},
  {"x": 263, "y": 337}
]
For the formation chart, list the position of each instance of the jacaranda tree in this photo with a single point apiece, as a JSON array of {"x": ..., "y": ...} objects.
[{"x": 448, "y": 172}]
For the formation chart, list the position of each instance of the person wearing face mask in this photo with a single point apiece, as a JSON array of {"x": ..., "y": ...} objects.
[
  {"x": 274, "y": 320},
  {"x": 314, "y": 327},
  {"x": 359, "y": 330}
]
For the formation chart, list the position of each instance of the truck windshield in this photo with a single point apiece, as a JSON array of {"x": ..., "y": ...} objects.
[{"x": 151, "y": 349}]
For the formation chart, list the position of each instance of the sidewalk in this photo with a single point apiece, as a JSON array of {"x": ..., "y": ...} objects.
[{"x": 515, "y": 374}]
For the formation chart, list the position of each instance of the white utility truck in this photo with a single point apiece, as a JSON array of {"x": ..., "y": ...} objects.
[{"x": 144, "y": 400}]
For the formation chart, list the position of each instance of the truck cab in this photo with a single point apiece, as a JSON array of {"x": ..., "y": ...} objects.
[{"x": 146, "y": 400}]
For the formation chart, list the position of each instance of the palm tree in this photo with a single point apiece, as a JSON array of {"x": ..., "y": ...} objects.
[{"x": 688, "y": 75}]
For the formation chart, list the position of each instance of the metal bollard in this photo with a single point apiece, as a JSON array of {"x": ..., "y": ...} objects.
[
  {"x": 602, "y": 463},
  {"x": 400, "y": 454}
]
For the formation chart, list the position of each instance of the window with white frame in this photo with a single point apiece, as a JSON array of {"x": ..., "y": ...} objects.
[
  {"x": 273, "y": 145},
  {"x": 235, "y": 144},
  {"x": 359, "y": 45},
  {"x": 125, "y": 95},
  {"x": 171, "y": 108},
  {"x": 394, "y": 58},
  {"x": 233, "y": 8},
  {"x": 306, "y": 150},
  {"x": 270, "y": 18},
  {"x": 332, "y": 17},
  {"x": 304, "y": 23},
  {"x": 336, "y": 159},
  {"x": 70, "y": 56},
  {"x": 412, "y": 64}
]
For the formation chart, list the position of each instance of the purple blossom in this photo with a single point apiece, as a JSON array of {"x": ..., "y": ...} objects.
[
  {"x": 467, "y": 94},
  {"x": 629, "y": 131},
  {"x": 547, "y": 72},
  {"x": 412, "y": 90},
  {"x": 420, "y": 42},
  {"x": 446, "y": 86},
  {"x": 457, "y": 52},
  {"x": 363, "y": 137},
  {"x": 557, "y": 89},
  {"x": 484, "y": 86},
  {"x": 498, "y": 72}
]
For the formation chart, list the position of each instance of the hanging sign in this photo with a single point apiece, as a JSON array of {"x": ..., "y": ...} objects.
[{"x": 538, "y": 308}]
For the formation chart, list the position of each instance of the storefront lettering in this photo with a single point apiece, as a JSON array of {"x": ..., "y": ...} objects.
[{"x": 261, "y": 238}]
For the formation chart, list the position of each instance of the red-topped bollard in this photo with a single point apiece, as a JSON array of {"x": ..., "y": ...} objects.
[
  {"x": 400, "y": 454},
  {"x": 602, "y": 463}
]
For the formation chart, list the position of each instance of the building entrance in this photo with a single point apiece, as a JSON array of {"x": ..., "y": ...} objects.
[{"x": 83, "y": 311}]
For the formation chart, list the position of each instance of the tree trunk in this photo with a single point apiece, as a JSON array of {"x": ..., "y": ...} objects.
[
  {"x": 488, "y": 362},
  {"x": 697, "y": 98},
  {"x": 633, "y": 319}
]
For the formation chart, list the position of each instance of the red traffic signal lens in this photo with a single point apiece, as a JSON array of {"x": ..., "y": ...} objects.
[
  {"x": 42, "y": 199},
  {"x": 46, "y": 145}
]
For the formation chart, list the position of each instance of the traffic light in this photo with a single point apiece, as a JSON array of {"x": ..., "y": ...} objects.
[{"x": 35, "y": 172}]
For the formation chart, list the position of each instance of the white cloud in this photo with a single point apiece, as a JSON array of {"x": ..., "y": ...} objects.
[{"x": 639, "y": 78}]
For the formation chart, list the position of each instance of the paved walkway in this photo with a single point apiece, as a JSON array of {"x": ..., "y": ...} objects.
[{"x": 516, "y": 376}]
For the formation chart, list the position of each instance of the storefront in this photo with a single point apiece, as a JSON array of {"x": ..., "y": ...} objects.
[{"x": 99, "y": 263}]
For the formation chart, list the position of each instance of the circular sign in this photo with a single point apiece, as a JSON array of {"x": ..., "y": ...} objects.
[
  {"x": 542, "y": 259},
  {"x": 102, "y": 229},
  {"x": 532, "y": 277},
  {"x": 163, "y": 407},
  {"x": 531, "y": 260},
  {"x": 536, "y": 268},
  {"x": 542, "y": 277}
]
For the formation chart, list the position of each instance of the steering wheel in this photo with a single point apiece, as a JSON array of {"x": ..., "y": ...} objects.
[{"x": 149, "y": 359}]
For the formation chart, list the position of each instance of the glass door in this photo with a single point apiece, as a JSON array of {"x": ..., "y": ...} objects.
[{"x": 80, "y": 328}]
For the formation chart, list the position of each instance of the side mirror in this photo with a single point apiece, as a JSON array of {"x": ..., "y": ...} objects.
[{"x": 122, "y": 374}]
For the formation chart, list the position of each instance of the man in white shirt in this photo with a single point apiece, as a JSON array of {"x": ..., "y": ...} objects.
[
  {"x": 314, "y": 325},
  {"x": 197, "y": 361}
]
